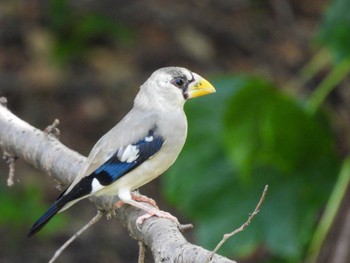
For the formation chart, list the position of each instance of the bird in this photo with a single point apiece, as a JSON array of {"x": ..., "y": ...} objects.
[{"x": 142, "y": 146}]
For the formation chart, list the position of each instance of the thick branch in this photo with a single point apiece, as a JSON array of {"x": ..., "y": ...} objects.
[
  {"x": 41, "y": 149},
  {"x": 46, "y": 153}
]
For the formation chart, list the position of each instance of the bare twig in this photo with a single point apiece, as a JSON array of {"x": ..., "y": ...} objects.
[
  {"x": 242, "y": 227},
  {"x": 142, "y": 252},
  {"x": 76, "y": 235},
  {"x": 184, "y": 227},
  {"x": 10, "y": 160}
]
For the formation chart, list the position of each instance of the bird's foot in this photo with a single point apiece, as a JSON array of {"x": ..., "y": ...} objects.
[
  {"x": 151, "y": 209},
  {"x": 158, "y": 213},
  {"x": 155, "y": 212},
  {"x": 142, "y": 198}
]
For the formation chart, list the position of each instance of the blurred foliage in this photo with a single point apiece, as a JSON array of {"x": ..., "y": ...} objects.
[
  {"x": 334, "y": 36},
  {"x": 76, "y": 34},
  {"x": 331, "y": 211},
  {"x": 334, "y": 31},
  {"x": 266, "y": 128},
  {"x": 256, "y": 135},
  {"x": 15, "y": 211},
  {"x": 253, "y": 136}
]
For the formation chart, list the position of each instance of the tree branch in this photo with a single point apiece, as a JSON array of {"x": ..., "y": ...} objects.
[{"x": 45, "y": 152}]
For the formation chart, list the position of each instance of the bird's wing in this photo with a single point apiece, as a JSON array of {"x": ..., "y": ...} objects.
[
  {"x": 135, "y": 139},
  {"x": 125, "y": 159},
  {"x": 133, "y": 128}
]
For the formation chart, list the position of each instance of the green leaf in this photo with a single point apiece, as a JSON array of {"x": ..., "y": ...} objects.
[{"x": 266, "y": 128}]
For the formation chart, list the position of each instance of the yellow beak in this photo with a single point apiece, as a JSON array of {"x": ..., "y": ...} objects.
[{"x": 199, "y": 88}]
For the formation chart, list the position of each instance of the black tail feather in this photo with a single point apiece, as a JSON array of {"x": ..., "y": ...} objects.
[
  {"x": 79, "y": 191},
  {"x": 45, "y": 218}
]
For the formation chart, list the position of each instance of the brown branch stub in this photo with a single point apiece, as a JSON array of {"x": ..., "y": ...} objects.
[
  {"x": 52, "y": 129},
  {"x": 241, "y": 228},
  {"x": 10, "y": 160},
  {"x": 184, "y": 227},
  {"x": 142, "y": 252}
]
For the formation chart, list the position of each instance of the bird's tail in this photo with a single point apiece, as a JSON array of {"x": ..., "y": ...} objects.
[
  {"x": 45, "y": 218},
  {"x": 65, "y": 200}
]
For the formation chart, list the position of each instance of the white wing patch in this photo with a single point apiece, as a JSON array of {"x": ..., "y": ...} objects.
[
  {"x": 96, "y": 186},
  {"x": 149, "y": 138},
  {"x": 128, "y": 154}
]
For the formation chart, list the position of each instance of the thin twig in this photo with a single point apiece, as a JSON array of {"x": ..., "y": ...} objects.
[
  {"x": 241, "y": 228},
  {"x": 142, "y": 252},
  {"x": 76, "y": 235}
]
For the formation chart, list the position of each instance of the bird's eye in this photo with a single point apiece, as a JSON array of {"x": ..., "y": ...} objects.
[{"x": 179, "y": 82}]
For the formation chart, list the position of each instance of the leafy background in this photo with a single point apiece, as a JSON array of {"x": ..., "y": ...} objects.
[{"x": 280, "y": 117}]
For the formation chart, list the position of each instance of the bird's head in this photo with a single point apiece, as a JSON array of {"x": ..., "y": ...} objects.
[{"x": 172, "y": 87}]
